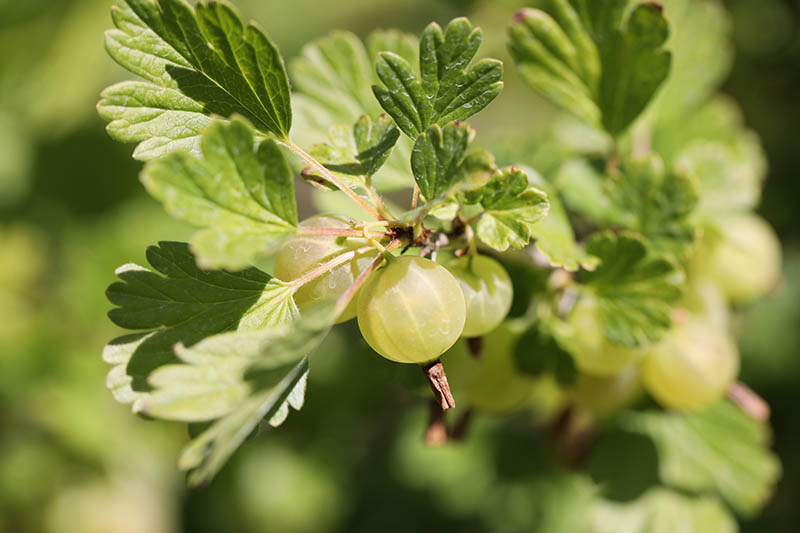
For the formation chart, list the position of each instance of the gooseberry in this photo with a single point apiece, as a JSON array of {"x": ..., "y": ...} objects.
[
  {"x": 692, "y": 366},
  {"x": 302, "y": 253},
  {"x": 487, "y": 292},
  {"x": 412, "y": 310}
]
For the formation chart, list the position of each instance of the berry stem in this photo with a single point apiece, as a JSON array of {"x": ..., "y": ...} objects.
[
  {"x": 329, "y": 265},
  {"x": 748, "y": 401},
  {"x": 335, "y": 232},
  {"x": 344, "y": 299},
  {"x": 415, "y": 197},
  {"x": 328, "y": 175},
  {"x": 438, "y": 381}
]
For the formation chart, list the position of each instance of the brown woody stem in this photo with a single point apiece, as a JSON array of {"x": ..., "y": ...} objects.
[{"x": 438, "y": 381}]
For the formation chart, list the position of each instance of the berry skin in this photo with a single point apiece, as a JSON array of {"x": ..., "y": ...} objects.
[
  {"x": 585, "y": 338},
  {"x": 604, "y": 396},
  {"x": 411, "y": 311},
  {"x": 692, "y": 366},
  {"x": 487, "y": 292},
  {"x": 746, "y": 263},
  {"x": 300, "y": 254}
]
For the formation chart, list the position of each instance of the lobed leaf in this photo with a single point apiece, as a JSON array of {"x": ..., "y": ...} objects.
[
  {"x": 719, "y": 450},
  {"x": 447, "y": 87},
  {"x": 200, "y": 60},
  {"x": 438, "y": 156},
  {"x": 264, "y": 374},
  {"x": 655, "y": 204},
  {"x": 241, "y": 195},
  {"x": 177, "y": 302},
  {"x": 662, "y": 510},
  {"x": 554, "y": 236},
  {"x": 333, "y": 78},
  {"x": 592, "y": 61},
  {"x": 360, "y": 153},
  {"x": 511, "y": 210},
  {"x": 633, "y": 289}
]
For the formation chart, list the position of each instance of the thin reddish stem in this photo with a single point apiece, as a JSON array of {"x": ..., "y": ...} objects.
[
  {"x": 330, "y": 176},
  {"x": 344, "y": 299},
  {"x": 330, "y": 265},
  {"x": 335, "y": 232}
]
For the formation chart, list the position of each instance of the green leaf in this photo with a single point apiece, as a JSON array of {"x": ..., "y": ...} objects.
[
  {"x": 661, "y": 510},
  {"x": 555, "y": 57},
  {"x": 655, "y": 203},
  {"x": 201, "y": 61},
  {"x": 362, "y": 152},
  {"x": 242, "y": 195},
  {"x": 437, "y": 158},
  {"x": 699, "y": 66},
  {"x": 447, "y": 87},
  {"x": 179, "y": 303},
  {"x": 634, "y": 66},
  {"x": 161, "y": 119},
  {"x": 511, "y": 210},
  {"x": 560, "y": 61},
  {"x": 333, "y": 79},
  {"x": 554, "y": 235},
  {"x": 205, "y": 455},
  {"x": 266, "y": 374},
  {"x": 537, "y": 353},
  {"x": 633, "y": 289},
  {"x": 719, "y": 450}
]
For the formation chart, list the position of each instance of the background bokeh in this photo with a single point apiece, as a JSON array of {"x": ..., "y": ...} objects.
[{"x": 72, "y": 209}]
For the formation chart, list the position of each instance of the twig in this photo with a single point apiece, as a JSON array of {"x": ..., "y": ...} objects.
[{"x": 438, "y": 381}]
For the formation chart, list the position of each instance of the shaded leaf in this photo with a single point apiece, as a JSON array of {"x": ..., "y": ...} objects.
[
  {"x": 362, "y": 152},
  {"x": 554, "y": 235},
  {"x": 333, "y": 78},
  {"x": 241, "y": 195},
  {"x": 271, "y": 365},
  {"x": 179, "y": 303},
  {"x": 719, "y": 450},
  {"x": 555, "y": 56},
  {"x": 633, "y": 289}
]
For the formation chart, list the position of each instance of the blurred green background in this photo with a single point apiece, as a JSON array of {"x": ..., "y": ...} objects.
[{"x": 72, "y": 209}]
